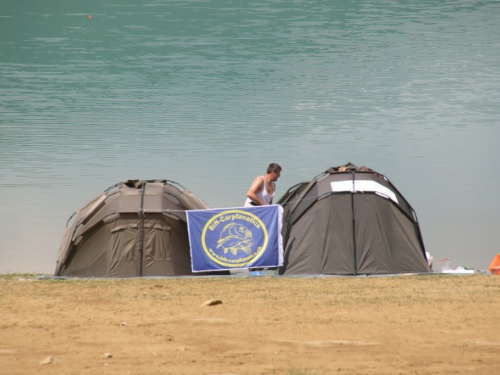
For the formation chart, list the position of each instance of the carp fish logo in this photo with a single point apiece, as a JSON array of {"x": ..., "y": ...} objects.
[{"x": 234, "y": 238}]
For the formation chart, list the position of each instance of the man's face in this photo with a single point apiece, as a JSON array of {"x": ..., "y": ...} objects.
[{"x": 276, "y": 175}]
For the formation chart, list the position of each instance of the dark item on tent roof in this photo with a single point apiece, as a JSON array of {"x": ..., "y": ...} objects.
[
  {"x": 350, "y": 221},
  {"x": 135, "y": 228}
]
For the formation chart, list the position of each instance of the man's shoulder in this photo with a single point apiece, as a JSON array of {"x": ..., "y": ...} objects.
[{"x": 259, "y": 181}]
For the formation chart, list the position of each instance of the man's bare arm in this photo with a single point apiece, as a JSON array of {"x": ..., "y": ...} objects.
[{"x": 257, "y": 186}]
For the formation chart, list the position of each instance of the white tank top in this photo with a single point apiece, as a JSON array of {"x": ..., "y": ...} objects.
[{"x": 263, "y": 194}]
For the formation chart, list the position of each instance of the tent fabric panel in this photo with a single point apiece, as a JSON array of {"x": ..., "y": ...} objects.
[
  {"x": 338, "y": 245},
  {"x": 410, "y": 256},
  {"x": 304, "y": 201},
  {"x": 318, "y": 243},
  {"x": 64, "y": 249},
  {"x": 192, "y": 201},
  {"x": 90, "y": 257},
  {"x": 373, "y": 247},
  {"x": 386, "y": 240},
  {"x": 180, "y": 251},
  {"x": 157, "y": 259},
  {"x": 292, "y": 194},
  {"x": 124, "y": 257},
  {"x": 324, "y": 185},
  {"x": 85, "y": 224},
  {"x": 403, "y": 204}
]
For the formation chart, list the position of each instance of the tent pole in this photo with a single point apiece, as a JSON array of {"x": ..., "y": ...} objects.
[
  {"x": 141, "y": 231},
  {"x": 353, "y": 224}
]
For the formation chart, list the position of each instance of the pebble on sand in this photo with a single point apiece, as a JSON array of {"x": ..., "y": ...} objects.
[
  {"x": 50, "y": 360},
  {"x": 211, "y": 302}
]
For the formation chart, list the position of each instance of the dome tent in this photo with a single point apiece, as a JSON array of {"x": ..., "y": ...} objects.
[
  {"x": 350, "y": 221},
  {"x": 135, "y": 228}
]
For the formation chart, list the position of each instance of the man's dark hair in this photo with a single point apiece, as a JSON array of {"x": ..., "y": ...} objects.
[{"x": 273, "y": 167}]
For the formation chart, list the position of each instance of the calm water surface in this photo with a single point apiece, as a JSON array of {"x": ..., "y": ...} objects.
[{"x": 207, "y": 93}]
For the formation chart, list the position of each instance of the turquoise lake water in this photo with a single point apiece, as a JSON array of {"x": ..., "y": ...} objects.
[{"x": 208, "y": 93}]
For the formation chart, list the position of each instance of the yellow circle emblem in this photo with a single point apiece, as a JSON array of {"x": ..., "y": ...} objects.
[{"x": 234, "y": 238}]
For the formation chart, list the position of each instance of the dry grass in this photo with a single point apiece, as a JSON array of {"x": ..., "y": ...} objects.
[{"x": 437, "y": 324}]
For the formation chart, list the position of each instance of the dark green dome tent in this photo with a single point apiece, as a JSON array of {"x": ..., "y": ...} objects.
[
  {"x": 350, "y": 221},
  {"x": 135, "y": 228}
]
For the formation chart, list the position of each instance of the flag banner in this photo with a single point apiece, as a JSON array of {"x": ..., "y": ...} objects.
[{"x": 231, "y": 238}]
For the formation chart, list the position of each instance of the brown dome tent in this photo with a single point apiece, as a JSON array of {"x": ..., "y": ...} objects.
[
  {"x": 350, "y": 221},
  {"x": 135, "y": 228}
]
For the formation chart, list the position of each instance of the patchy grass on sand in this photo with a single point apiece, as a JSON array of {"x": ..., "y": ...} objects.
[{"x": 436, "y": 324}]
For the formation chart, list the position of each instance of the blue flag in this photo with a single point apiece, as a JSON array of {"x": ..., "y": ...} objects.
[{"x": 231, "y": 238}]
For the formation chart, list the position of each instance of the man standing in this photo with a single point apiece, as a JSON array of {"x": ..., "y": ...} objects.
[{"x": 261, "y": 192}]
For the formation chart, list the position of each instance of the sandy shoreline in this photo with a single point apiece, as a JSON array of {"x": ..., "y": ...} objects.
[{"x": 432, "y": 324}]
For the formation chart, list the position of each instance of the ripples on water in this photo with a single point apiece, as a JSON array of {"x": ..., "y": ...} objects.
[{"x": 208, "y": 93}]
